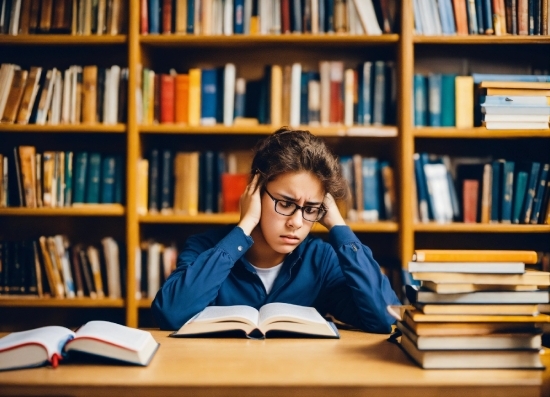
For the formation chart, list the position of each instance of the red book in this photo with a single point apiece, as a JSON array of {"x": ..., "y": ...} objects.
[
  {"x": 336, "y": 92},
  {"x": 523, "y": 17},
  {"x": 470, "y": 194},
  {"x": 167, "y": 96},
  {"x": 461, "y": 17},
  {"x": 156, "y": 99},
  {"x": 167, "y": 16},
  {"x": 144, "y": 23},
  {"x": 285, "y": 16},
  {"x": 181, "y": 94},
  {"x": 233, "y": 186}
]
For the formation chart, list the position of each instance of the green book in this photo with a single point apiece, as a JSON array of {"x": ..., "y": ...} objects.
[
  {"x": 519, "y": 195},
  {"x": 448, "y": 100},
  {"x": 92, "y": 178},
  {"x": 80, "y": 172},
  {"x": 68, "y": 179}
]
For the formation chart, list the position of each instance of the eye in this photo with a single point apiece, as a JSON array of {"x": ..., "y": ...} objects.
[
  {"x": 286, "y": 204},
  {"x": 311, "y": 210}
]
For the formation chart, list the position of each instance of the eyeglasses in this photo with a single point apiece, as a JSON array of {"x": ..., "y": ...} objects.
[{"x": 288, "y": 208}]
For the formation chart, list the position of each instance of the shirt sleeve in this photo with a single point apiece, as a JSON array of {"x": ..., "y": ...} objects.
[
  {"x": 356, "y": 291},
  {"x": 201, "y": 269}
]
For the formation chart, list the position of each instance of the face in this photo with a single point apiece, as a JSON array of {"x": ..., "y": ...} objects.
[{"x": 284, "y": 233}]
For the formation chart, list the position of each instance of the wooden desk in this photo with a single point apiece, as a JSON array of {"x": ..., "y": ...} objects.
[{"x": 359, "y": 364}]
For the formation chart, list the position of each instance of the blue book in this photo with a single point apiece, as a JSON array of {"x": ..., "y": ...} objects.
[
  {"x": 539, "y": 195},
  {"x": 154, "y": 16},
  {"x": 238, "y": 17},
  {"x": 434, "y": 99},
  {"x": 525, "y": 216},
  {"x": 68, "y": 179},
  {"x": 296, "y": 16},
  {"x": 479, "y": 77},
  {"x": 92, "y": 178},
  {"x": 421, "y": 189},
  {"x": 487, "y": 17},
  {"x": 472, "y": 17},
  {"x": 166, "y": 180},
  {"x": 448, "y": 110},
  {"x": 207, "y": 181},
  {"x": 496, "y": 192},
  {"x": 221, "y": 168},
  {"x": 190, "y": 16},
  {"x": 479, "y": 16},
  {"x": 365, "y": 97},
  {"x": 220, "y": 84},
  {"x": 119, "y": 180},
  {"x": 447, "y": 17},
  {"x": 511, "y": 100},
  {"x": 154, "y": 165},
  {"x": 371, "y": 190},
  {"x": 80, "y": 172},
  {"x": 264, "y": 108},
  {"x": 507, "y": 191},
  {"x": 520, "y": 186},
  {"x": 108, "y": 168},
  {"x": 531, "y": 17},
  {"x": 208, "y": 96},
  {"x": 379, "y": 94},
  {"x": 420, "y": 101},
  {"x": 322, "y": 17},
  {"x": 304, "y": 81}
]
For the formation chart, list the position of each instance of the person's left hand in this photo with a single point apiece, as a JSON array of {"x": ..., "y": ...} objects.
[{"x": 332, "y": 216}]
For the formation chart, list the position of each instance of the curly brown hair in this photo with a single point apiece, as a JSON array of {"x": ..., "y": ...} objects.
[{"x": 288, "y": 150}]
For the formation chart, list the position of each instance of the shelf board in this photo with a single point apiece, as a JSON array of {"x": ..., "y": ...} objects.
[
  {"x": 481, "y": 39},
  {"x": 34, "y": 301},
  {"x": 359, "y": 131},
  {"x": 230, "y": 218},
  {"x": 62, "y": 39},
  {"x": 480, "y": 228},
  {"x": 145, "y": 303},
  {"x": 73, "y": 128},
  {"x": 259, "y": 40},
  {"x": 79, "y": 210},
  {"x": 476, "y": 132}
]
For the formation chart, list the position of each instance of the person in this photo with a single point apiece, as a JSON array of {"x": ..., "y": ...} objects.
[{"x": 270, "y": 256}]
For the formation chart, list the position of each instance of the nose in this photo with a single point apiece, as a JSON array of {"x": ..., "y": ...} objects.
[{"x": 295, "y": 221}]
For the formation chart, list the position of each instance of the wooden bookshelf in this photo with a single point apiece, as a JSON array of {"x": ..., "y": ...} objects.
[{"x": 397, "y": 143}]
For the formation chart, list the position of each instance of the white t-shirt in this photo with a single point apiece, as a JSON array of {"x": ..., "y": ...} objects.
[{"x": 269, "y": 275}]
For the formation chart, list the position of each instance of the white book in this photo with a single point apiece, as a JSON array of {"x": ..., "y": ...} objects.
[
  {"x": 47, "y": 93},
  {"x": 515, "y": 110},
  {"x": 265, "y": 11},
  {"x": 15, "y": 17},
  {"x": 521, "y": 125},
  {"x": 434, "y": 15},
  {"x": 515, "y": 118},
  {"x": 295, "y": 83},
  {"x": 275, "y": 17},
  {"x": 112, "y": 261},
  {"x": 217, "y": 17},
  {"x": 314, "y": 101},
  {"x": 93, "y": 258},
  {"x": 485, "y": 297},
  {"x": 247, "y": 15},
  {"x": 468, "y": 267},
  {"x": 228, "y": 18},
  {"x": 112, "y": 90},
  {"x": 66, "y": 100},
  {"x": 153, "y": 269},
  {"x": 348, "y": 97},
  {"x": 438, "y": 188},
  {"x": 418, "y": 28},
  {"x": 283, "y": 317},
  {"x": 101, "y": 14},
  {"x": 367, "y": 16},
  {"x": 324, "y": 69},
  {"x": 354, "y": 23},
  {"x": 314, "y": 16},
  {"x": 47, "y": 345},
  {"x": 55, "y": 115},
  {"x": 63, "y": 256},
  {"x": 229, "y": 93}
]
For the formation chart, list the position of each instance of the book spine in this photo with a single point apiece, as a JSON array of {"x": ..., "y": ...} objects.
[
  {"x": 520, "y": 186},
  {"x": 166, "y": 181},
  {"x": 530, "y": 194},
  {"x": 507, "y": 191},
  {"x": 154, "y": 166},
  {"x": 108, "y": 180},
  {"x": 537, "y": 201}
]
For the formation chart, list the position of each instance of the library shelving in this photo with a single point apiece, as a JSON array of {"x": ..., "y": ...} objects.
[{"x": 396, "y": 143}]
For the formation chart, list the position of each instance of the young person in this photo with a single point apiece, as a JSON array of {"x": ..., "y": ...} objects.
[{"x": 269, "y": 255}]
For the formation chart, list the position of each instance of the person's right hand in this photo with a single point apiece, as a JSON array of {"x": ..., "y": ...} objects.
[{"x": 251, "y": 206}]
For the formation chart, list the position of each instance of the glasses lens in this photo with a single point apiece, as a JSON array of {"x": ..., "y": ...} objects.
[
  {"x": 285, "y": 207},
  {"x": 312, "y": 214}
]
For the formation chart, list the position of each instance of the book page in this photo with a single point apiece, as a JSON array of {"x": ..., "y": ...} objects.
[
  {"x": 240, "y": 313},
  {"x": 116, "y": 334},
  {"x": 273, "y": 312},
  {"x": 51, "y": 337}
]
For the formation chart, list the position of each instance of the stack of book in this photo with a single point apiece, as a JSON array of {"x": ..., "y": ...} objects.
[
  {"x": 475, "y": 309},
  {"x": 515, "y": 104}
]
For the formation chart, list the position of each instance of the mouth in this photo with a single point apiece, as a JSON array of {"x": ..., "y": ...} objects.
[{"x": 290, "y": 239}]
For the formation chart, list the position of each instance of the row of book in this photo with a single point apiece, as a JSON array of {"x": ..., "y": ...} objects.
[
  {"x": 154, "y": 263},
  {"x": 192, "y": 182},
  {"x": 482, "y": 191},
  {"x": 372, "y": 189},
  {"x": 22, "y": 17},
  {"x": 77, "y": 95},
  {"x": 497, "y": 101},
  {"x": 30, "y": 179},
  {"x": 52, "y": 267},
  {"x": 229, "y": 17},
  {"x": 285, "y": 95},
  {"x": 482, "y": 17},
  {"x": 475, "y": 309}
]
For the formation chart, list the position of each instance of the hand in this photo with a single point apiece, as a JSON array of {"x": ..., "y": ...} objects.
[
  {"x": 332, "y": 216},
  {"x": 251, "y": 206}
]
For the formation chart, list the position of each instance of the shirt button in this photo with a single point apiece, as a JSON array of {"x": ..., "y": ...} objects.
[{"x": 240, "y": 248}]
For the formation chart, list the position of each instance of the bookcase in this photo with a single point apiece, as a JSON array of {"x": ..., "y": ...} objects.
[{"x": 250, "y": 53}]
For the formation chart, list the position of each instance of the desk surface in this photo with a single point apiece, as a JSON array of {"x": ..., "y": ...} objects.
[{"x": 357, "y": 364}]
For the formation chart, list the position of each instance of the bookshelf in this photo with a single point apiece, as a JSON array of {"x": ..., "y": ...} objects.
[{"x": 161, "y": 52}]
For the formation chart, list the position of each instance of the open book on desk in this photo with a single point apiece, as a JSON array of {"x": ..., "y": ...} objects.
[
  {"x": 40, "y": 346},
  {"x": 271, "y": 320}
]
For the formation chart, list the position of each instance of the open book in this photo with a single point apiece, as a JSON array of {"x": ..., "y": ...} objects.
[
  {"x": 280, "y": 317},
  {"x": 40, "y": 346}
]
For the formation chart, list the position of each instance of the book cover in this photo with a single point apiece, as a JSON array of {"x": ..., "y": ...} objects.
[{"x": 435, "y": 255}]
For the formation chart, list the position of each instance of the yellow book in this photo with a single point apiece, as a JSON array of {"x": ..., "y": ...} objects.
[
  {"x": 420, "y": 317},
  {"x": 194, "y": 97},
  {"x": 191, "y": 185},
  {"x": 530, "y": 277},
  {"x": 464, "y": 99},
  {"x": 276, "y": 95},
  {"x": 516, "y": 91},
  {"x": 462, "y": 288},
  {"x": 533, "y": 85},
  {"x": 511, "y": 310},
  {"x": 142, "y": 185},
  {"x": 435, "y": 255}
]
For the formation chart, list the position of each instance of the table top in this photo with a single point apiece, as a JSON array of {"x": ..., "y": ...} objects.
[{"x": 357, "y": 364}]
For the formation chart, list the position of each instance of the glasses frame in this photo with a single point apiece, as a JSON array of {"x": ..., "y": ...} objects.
[{"x": 322, "y": 210}]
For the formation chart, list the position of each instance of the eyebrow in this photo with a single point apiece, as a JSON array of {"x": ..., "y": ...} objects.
[{"x": 307, "y": 203}]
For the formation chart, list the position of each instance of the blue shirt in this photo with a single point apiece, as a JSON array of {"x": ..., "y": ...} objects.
[{"x": 339, "y": 277}]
